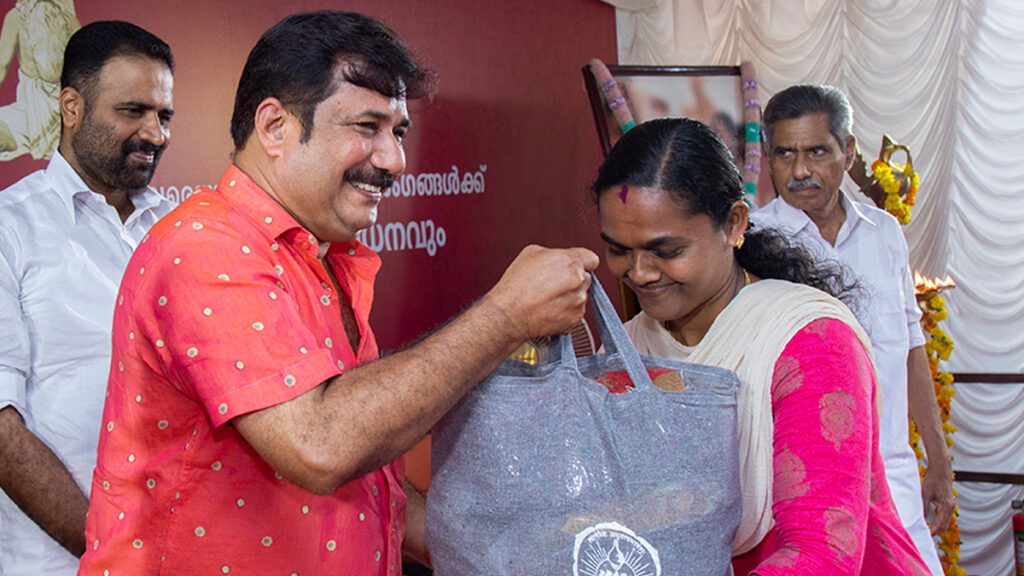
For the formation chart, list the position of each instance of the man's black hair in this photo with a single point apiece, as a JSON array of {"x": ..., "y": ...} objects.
[
  {"x": 295, "y": 61},
  {"x": 94, "y": 44}
]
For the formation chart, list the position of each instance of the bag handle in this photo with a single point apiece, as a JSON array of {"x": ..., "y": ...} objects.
[{"x": 613, "y": 337}]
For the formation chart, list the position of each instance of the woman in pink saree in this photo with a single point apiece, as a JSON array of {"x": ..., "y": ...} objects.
[{"x": 714, "y": 291}]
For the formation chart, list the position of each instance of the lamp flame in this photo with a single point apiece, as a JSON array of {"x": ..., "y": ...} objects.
[{"x": 923, "y": 285}]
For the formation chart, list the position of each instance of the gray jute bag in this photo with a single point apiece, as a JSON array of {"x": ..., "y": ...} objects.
[{"x": 540, "y": 471}]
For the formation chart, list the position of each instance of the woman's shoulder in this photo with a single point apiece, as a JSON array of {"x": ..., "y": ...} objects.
[
  {"x": 777, "y": 285},
  {"x": 828, "y": 341}
]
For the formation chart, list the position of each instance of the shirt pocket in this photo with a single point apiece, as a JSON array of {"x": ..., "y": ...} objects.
[{"x": 888, "y": 327}]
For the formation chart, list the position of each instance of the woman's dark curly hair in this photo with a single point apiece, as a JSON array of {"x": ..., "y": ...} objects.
[{"x": 689, "y": 161}]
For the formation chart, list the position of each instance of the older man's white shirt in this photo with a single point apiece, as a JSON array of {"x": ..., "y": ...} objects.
[{"x": 870, "y": 243}]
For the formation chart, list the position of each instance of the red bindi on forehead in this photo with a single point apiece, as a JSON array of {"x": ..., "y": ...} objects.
[{"x": 624, "y": 193}]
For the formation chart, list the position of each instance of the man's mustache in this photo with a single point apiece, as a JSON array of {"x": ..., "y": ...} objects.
[
  {"x": 134, "y": 145},
  {"x": 805, "y": 183},
  {"x": 374, "y": 177}
]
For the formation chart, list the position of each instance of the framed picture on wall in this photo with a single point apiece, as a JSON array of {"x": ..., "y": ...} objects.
[{"x": 711, "y": 94}]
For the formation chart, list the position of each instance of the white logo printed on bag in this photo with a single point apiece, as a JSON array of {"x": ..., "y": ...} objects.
[{"x": 611, "y": 549}]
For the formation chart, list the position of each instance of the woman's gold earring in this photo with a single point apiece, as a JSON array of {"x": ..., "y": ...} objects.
[{"x": 740, "y": 241}]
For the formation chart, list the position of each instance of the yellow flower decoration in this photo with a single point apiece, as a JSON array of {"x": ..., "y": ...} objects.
[
  {"x": 939, "y": 346},
  {"x": 885, "y": 171}
]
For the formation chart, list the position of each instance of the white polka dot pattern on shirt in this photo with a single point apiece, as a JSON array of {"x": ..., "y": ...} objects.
[
  {"x": 162, "y": 301},
  {"x": 197, "y": 226},
  {"x": 257, "y": 326},
  {"x": 223, "y": 277},
  {"x": 246, "y": 250},
  {"x": 289, "y": 380}
]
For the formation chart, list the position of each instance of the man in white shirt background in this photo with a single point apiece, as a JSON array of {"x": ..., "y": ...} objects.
[
  {"x": 66, "y": 234},
  {"x": 810, "y": 146}
]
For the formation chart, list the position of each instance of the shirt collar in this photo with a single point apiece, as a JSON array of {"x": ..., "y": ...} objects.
[
  {"x": 247, "y": 198},
  {"x": 65, "y": 182},
  {"x": 793, "y": 220},
  {"x": 854, "y": 212},
  {"x": 253, "y": 202},
  {"x": 855, "y": 216}
]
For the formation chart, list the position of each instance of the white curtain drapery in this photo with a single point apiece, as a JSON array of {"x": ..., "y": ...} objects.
[{"x": 947, "y": 79}]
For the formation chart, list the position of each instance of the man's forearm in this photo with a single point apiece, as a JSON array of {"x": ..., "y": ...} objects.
[
  {"x": 937, "y": 485},
  {"x": 370, "y": 415},
  {"x": 924, "y": 409},
  {"x": 39, "y": 483}
]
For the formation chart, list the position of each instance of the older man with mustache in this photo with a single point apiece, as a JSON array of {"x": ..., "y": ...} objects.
[
  {"x": 810, "y": 146},
  {"x": 66, "y": 234}
]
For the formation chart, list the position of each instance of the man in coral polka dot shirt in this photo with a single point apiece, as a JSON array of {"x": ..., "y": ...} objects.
[{"x": 249, "y": 427}]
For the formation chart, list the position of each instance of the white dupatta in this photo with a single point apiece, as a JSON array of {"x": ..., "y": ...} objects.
[{"x": 747, "y": 337}]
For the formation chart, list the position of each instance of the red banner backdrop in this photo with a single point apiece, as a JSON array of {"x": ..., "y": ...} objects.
[{"x": 501, "y": 158}]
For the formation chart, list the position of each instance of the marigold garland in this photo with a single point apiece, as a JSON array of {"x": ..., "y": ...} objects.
[
  {"x": 939, "y": 347},
  {"x": 894, "y": 204}
]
